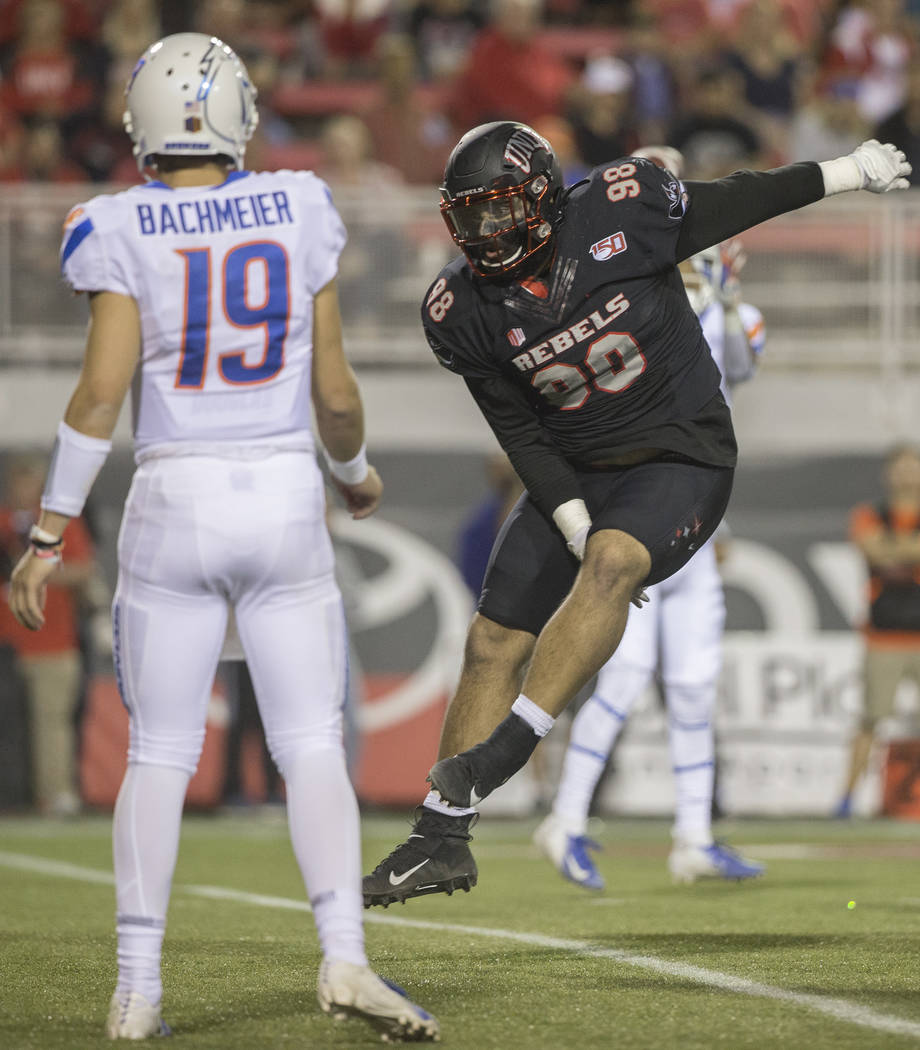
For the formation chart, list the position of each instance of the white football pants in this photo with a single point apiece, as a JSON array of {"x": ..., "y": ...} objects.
[
  {"x": 679, "y": 634},
  {"x": 199, "y": 533}
]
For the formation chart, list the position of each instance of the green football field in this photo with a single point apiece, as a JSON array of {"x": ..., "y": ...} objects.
[{"x": 524, "y": 961}]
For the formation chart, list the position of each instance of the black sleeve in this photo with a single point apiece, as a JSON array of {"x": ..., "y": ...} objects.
[
  {"x": 723, "y": 208},
  {"x": 540, "y": 465}
]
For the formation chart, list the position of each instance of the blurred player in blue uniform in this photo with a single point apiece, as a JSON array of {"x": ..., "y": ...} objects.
[{"x": 679, "y": 634}]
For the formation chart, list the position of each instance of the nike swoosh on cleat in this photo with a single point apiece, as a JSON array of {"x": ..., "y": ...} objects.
[
  {"x": 396, "y": 880},
  {"x": 575, "y": 869}
]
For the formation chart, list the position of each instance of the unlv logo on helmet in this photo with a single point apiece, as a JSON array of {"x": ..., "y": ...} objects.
[
  {"x": 609, "y": 246},
  {"x": 521, "y": 147}
]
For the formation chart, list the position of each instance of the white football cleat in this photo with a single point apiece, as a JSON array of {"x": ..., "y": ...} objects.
[
  {"x": 347, "y": 990},
  {"x": 569, "y": 853},
  {"x": 132, "y": 1016},
  {"x": 688, "y": 862}
]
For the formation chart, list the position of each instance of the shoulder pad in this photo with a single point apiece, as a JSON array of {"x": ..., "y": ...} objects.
[
  {"x": 448, "y": 316},
  {"x": 97, "y": 215},
  {"x": 449, "y": 296},
  {"x": 77, "y": 227},
  {"x": 88, "y": 246},
  {"x": 638, "y": 179}
]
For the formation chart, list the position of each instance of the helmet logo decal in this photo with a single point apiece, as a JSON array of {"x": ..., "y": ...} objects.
[
  {"x": 520, "y": 148},
  {"x": 193, "y": 116},
  {"x": 609, "y": 246},
  {"x": 207, "y": 63}
]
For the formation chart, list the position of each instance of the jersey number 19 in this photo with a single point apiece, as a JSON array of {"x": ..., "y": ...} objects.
[{"x": 271, "y": 314}]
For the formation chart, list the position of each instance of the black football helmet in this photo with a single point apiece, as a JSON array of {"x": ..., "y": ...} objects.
[{"x": 502, "y": 197}]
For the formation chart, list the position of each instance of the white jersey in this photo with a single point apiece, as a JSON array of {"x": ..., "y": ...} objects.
[{"x": 224, "y": 278}]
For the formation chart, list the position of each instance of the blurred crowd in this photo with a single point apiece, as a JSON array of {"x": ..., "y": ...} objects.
[{"x": 377, "y": 91}]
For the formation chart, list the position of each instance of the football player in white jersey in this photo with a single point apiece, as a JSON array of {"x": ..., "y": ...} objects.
[
  {"x": 678, "y": 633},
  {"x": 212, "y": 294}
]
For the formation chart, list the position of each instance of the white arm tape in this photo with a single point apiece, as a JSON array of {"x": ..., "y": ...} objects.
[
  {"x": 352, "y": 471},
  {"x": 841, "y": 175},
  {"x": 75, "y": 461},
  {"x": 571, "y": 517}
]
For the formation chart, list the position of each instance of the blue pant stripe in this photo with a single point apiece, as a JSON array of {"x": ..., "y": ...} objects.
[
  {"x": 688, "y": 726},
  {"x": 599, "y": 755},
  {"x": 698, "y": 765},
  {"x": 140, "y": 920},
  {"x": 610, "y": 709}
]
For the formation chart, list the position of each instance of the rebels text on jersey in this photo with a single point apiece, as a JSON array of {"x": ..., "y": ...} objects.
[{"x": 603, "y": 352}]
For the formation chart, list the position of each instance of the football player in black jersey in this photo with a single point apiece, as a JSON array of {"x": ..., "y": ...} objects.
[{"x": 567, "y": 318}]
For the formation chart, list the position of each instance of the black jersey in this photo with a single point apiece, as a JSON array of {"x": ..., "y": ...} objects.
[{"x": 602, "y": 354}]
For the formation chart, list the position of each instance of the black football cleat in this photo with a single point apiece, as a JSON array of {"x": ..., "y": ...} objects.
[
  {"x": 458, "y": 782},
  {"x": 469, "y": 777},
  {"x": 435, "y": 858}
]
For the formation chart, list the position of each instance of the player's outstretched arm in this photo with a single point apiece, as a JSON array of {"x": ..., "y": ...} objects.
[
  {"x": 726, "y": 207},
  {"x": 339, "y": 411},
  {"x": 83, "y": 442}
]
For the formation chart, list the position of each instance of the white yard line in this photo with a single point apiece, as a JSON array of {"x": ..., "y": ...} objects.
[
  {"x": 838, "y": 1009},
  {"x": 59, "y": 868}
]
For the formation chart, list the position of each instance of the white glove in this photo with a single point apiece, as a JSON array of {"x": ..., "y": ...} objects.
[
  {"x": 884, "y": 167},
  {"x": 871, "y": 166}
]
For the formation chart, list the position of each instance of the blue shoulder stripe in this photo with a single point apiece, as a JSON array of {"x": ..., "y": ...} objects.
[{"x": 77, "y": 236}]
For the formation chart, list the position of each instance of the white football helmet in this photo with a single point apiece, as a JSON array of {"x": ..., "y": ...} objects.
[
  {"x": 190, "y": 95},
  {"x": 666, "y": 157}
]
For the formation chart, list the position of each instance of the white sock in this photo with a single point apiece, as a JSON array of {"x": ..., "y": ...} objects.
[
  {"x": 139, "y": 950},
  {"x": 324, "y": 825},
  {"x": 433, "y": 801},
  {"x": 594, "y": 732},
  {"x": 145, "y": 841},
  {"x": 538, "y": 720},
  {"x": 693, "y": 759}
]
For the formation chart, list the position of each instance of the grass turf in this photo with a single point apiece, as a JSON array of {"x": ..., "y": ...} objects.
[{"x": 239, "y": 975}]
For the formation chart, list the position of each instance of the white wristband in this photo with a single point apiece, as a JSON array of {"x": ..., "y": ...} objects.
[
  {"x": 75, "y": 461},
  {"x": 571, "y": 517},
  {"x": 841, "y": 175},
  {"x": 349, "y": 472}
]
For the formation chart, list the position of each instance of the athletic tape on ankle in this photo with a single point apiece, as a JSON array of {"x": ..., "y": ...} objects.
[
  {"x": 433, "y": 802},
  {"x": 75, "y": 461}
]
